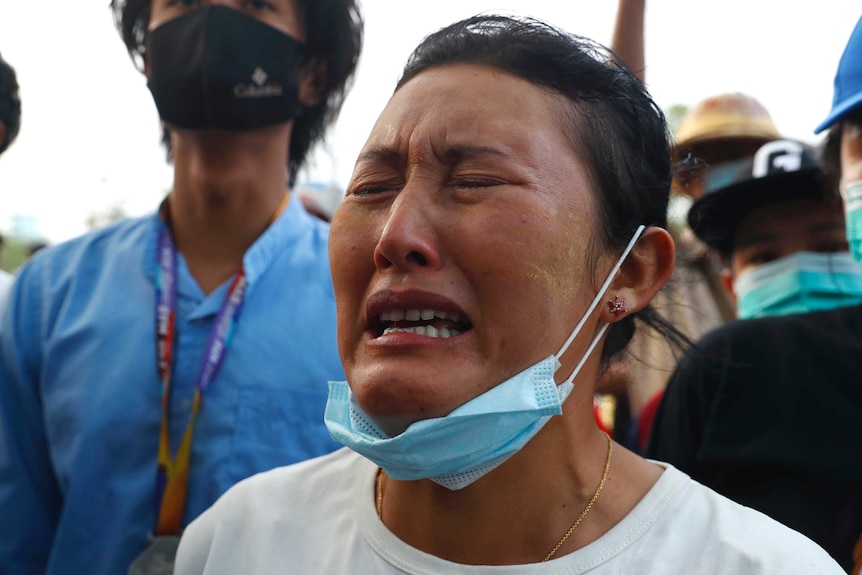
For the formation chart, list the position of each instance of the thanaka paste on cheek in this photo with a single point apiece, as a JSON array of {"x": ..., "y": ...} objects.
[{"x": 565, "y": 276}]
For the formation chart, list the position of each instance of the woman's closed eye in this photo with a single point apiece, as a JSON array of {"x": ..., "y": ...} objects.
[
  {"x": 369, "y": 190},
  {"x": 366, "y": 187},
  {"x": 471, "y": 184}
]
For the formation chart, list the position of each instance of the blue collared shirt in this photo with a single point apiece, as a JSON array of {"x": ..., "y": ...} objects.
[{"x": 80, "y": 393}]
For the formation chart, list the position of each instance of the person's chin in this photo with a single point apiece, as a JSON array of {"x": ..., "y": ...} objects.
[{"x": 397, "y": 396}]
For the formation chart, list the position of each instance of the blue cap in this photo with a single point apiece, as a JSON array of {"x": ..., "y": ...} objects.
[{"x": 848, "y": 80}]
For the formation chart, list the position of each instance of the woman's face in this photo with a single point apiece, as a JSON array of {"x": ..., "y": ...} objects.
[
  {"x": 459, "y": 254},
  {"x": 282, "y": 15}
]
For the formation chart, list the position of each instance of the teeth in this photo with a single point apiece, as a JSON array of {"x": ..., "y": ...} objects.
[
  {"x": 416, "y": 315},
  {"x": 425, "y": 330},
  {"x": 393, "y": 315},
  {"x": 412, "y": 315},
  {"x": 453, "y": 316}
]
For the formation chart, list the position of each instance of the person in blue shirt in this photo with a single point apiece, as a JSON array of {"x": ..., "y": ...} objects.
[{"x": 148, "y": 366}]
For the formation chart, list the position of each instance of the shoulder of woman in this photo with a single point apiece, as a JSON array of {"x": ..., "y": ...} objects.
[{"x": 743, "y": 540}]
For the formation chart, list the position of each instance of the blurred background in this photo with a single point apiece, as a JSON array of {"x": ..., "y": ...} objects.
[{"x": 89, "y": 148}]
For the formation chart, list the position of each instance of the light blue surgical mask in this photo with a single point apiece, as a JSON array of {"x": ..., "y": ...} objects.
[
  {"x": 853, "y": 217},
  {"x": 473, "y": 439},
  {"x": 799, "y": 283}
]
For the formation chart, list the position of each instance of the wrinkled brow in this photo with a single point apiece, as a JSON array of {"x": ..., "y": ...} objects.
[
  {"x": 457, "y": 154},
  {"x": 379, "y": 154},
  {"x": 452, "y": 155}
]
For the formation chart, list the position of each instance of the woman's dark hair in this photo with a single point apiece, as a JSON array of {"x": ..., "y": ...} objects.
[
  {"x": 333, "y": 41},
  {"x": 10, "y": 104},
  {"x": 611, "y": 121}
]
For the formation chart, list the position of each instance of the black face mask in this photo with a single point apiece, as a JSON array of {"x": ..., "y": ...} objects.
[{"x": 216, "y": 68}]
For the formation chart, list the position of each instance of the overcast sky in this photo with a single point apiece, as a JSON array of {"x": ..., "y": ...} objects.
[{"x": 90, "y": 135}]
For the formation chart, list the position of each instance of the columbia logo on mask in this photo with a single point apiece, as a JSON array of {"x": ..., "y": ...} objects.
[
  {"x": 259, "y": 76},
  {"x": 260, "y": 89}
]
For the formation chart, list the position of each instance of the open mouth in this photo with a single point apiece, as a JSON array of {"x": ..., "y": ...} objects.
[{"x": 426, "y": 322}]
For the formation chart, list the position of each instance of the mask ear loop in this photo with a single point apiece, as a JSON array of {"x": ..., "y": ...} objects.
[{"x": 592, "y": 307}]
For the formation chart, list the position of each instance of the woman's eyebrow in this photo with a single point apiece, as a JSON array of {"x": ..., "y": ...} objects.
[
  {"x": 450, "y": 156},
  {"x": 460, "y": 153},
  {"x": 379, "y": 154}
]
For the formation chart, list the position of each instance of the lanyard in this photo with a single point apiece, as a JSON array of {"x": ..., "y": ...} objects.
[{"x": 173, "y": 474}]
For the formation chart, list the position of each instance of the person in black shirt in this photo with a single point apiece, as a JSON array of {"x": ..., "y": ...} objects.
[{"x": 766, "y": 410}]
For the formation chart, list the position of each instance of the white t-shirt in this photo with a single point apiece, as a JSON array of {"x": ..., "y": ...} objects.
[{"x": 319, "y": 516}]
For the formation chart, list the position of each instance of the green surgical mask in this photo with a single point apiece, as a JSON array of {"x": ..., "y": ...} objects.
[
  {"x": 853, "y": 217},
  {"x": 800, "y": 283}
]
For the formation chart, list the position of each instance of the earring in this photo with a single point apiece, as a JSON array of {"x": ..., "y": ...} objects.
[{"x": 618, "y": 306}]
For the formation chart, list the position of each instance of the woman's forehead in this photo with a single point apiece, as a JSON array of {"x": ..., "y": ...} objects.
[{"x": 471, "y": 107}]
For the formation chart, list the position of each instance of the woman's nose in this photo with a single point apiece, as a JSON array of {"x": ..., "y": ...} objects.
[{"x": 409, "y": 238}]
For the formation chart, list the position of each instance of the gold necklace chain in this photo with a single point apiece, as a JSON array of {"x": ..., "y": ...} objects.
[
  {"x": 380, "y": 494},
  {"x": 571, "y": 529},
  {"x": 589, "y": 505}
]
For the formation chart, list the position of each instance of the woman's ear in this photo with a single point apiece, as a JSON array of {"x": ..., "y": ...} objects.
[
  {"x": 643, "y": 273},
  {"x": 312, "y": 78}
]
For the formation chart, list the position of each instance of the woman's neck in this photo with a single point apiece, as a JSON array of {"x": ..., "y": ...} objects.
[
  {"x": 520, "y": 511},
  {"x": 227, "y": 188}
]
